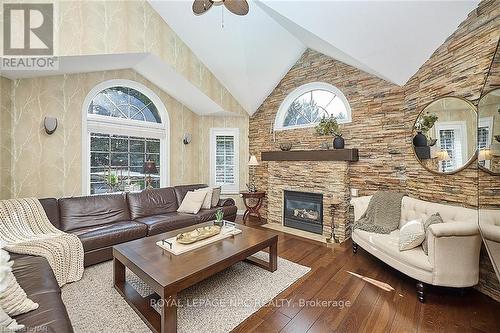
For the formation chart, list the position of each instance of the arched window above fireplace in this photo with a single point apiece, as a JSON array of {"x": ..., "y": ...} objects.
[{"x": 308, "y": 104}]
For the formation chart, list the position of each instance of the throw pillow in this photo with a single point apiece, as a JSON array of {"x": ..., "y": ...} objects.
[
  {"x": 215, "y": 195},
  {"x": 411, "y": 235},
  {"x": 13, "y": 299},
  {"x": 7, "y": 324},
  {"x": 433, "y": 219},
  {"x": 207, "y": 203},
  {"x": 192, "y": 202}
]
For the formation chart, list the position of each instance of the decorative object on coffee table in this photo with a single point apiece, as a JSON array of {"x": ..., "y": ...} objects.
[
  {"x": 198, "y": 234},
  {"x": 219, "y": 215},
  {"x": 149, "y": 169},
  {"x": 252, "y": 209},
  {"x": 252, "y": 163}
]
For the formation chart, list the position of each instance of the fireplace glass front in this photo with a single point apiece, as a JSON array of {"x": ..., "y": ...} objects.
[{"x": 304, "y": 211}]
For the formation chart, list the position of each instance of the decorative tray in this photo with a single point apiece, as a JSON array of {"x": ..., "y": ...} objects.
[
  {"x": 198, "y": 234},
  {"x": 198, "y": 237}
]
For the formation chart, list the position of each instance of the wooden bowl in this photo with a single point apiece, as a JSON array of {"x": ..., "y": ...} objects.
[{"x": 285, "y": 146}]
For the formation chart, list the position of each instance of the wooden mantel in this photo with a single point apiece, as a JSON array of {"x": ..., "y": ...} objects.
[{"x": 350, "y": 155}]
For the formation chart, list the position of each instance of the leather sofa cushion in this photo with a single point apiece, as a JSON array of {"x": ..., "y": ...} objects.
[
  {"x": 97, "y": 237},
  {"x": 209, "y": 214},
  {"x": 51, "y": 208},
  {"x": 158, "y": 224},
  {"x": 38, "y": 281},
  {"x": 181, "y": 190},
  {"x": 152, "y": 202},
  {"x": 82, "y": 212}
]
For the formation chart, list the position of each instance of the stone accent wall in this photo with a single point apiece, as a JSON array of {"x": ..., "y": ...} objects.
[
  {"x": 459, "y": 67},
  {"x": 384, "y": 114},
  {"x": 375, "y": 128},
  {"x": 328, "y": 178}
]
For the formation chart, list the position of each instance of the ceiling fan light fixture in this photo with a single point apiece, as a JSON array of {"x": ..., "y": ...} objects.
[{"x": 238, "y": 7}]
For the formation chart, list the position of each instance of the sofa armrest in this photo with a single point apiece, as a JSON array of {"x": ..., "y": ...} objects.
[
  {"x": 491, "y": 232},
  {"x": 454, "y": 229},
  {"x": 454, "y": 253},
  {"x": 360, "y": 205},
  {"x": 226, "y": 202}
]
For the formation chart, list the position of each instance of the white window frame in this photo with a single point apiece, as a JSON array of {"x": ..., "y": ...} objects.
[
  {"x": 235, "y": 132},
  {"x": 92, "y": 123},
  {"x": 285, "y": 105},
  {"x": 457, "y": 126},
  {"x": 488, "y": 123}
]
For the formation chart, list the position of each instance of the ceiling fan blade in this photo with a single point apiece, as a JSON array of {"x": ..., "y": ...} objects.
[
  {"x": 201, "y": 6},
  {"x": 238, "y": 7}
]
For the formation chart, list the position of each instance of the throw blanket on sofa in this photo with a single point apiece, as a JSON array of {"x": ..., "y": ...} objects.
[
  {"x": 26, "y": 229},
  {"x": 383, "y": 213}
]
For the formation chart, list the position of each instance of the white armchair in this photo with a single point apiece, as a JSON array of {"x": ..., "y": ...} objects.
[{"x": 453, "y": 254}]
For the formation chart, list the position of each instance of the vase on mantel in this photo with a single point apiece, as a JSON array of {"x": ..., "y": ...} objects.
[{"x": 338, "y": 142}]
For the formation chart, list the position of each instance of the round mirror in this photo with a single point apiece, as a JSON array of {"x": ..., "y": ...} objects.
[
  {"x": 488, "y": 132},
  {"x": 444, "y": 135}
]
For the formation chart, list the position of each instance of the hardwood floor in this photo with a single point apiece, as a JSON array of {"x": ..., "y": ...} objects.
[{"x": 371, "y": 309}]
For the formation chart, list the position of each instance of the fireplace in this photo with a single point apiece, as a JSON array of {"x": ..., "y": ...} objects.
[{"x": 304, "y": 211}]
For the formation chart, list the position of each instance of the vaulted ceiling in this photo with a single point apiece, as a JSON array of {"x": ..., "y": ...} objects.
[{"x": 251, "y": 54}]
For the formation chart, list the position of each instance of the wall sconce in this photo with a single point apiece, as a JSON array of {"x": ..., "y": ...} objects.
[
  {"x": 50, "y": 125},
  {"x": 187, "y": 138}
]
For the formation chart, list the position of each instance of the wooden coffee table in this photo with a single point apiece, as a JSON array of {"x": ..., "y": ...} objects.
[{"x": 168, "y": 274}]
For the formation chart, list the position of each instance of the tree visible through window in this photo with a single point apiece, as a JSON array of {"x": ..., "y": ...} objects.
[
  {"x": 310, "y": 107},
  {"x": 309, "y": 103},
  {"x": 116, "y": 162},
  {"x": 125, "y": 130}
]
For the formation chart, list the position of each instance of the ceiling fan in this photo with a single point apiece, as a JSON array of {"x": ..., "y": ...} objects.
[{"x": 238, "y": 7}]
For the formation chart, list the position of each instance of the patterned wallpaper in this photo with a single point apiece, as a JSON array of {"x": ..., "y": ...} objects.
[
  {"x": 5, "y": 179},
  {"x": 45, "y": 166},
  {"x": 107, "y": 27}
]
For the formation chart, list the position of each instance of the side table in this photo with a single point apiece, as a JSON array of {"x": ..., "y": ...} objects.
[{"x": 252, "y": 209}]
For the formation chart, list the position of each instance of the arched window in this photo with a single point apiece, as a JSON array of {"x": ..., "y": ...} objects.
[
  {"x": 306, "y": 105},
  {"x": 125, "y": 126}
]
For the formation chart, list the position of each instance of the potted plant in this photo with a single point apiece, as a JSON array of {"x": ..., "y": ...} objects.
[
  {"x": 329, "y": 126},
  {"x": 424, "y": 124},
  {"x": 219, "y": 215}
]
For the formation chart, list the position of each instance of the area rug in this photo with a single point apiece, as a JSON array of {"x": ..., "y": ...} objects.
[{"x": 217, "y": 304}]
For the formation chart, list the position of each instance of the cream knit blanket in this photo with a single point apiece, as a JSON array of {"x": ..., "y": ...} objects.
[{"x": 26, "y": 229}]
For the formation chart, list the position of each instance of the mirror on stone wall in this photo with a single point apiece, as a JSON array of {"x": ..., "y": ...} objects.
[
  {"x": 488, "y": 135},
  {"x": 445, "y": 134},
  {"x": 488, "y": 132}
]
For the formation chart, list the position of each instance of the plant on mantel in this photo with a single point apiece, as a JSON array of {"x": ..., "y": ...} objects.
[{"x": 330, "y": 127}]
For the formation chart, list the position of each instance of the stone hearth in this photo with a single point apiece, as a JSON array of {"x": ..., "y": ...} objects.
[{"x": 328, "y": 178}]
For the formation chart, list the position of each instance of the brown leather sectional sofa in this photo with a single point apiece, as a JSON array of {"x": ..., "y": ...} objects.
[{"x": 100, "y": 222}]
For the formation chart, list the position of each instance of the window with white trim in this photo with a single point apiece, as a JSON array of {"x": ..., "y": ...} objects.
[
  {"x": 484, "y": 136},
  {"x": 126, "y": 125},
  {"x": 452, "y": 137},
  {"x": 224, "y": 159},
  {"x": 309, "y": 103}
]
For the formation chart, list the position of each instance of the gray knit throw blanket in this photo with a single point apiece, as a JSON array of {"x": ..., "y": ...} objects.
[
  {"x": 383, "y": 213},
  {"x": 26, "y": 229}
]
